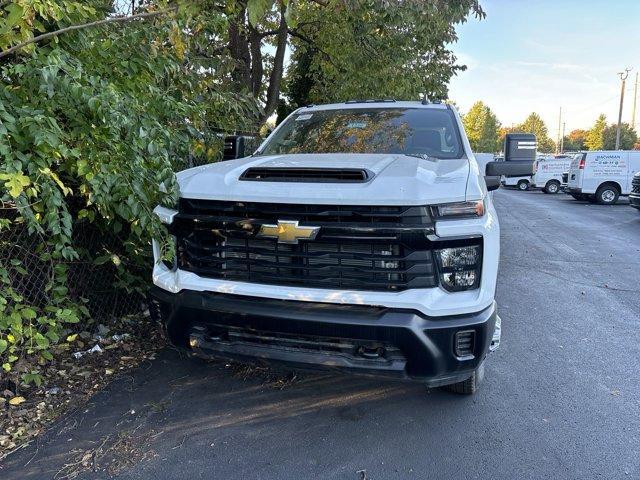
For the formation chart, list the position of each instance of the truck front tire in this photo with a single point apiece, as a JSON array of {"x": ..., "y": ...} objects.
[
  {"x": 523, "y": 185},
  {"x": 468, "y": 386}
]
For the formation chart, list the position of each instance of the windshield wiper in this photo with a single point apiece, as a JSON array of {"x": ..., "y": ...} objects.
[{"x": 422, "y": 156}]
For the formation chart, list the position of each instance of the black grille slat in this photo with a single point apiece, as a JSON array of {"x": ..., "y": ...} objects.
[
  {"x": 635, "y": 184},
  {"x": 358, "y": 247}
]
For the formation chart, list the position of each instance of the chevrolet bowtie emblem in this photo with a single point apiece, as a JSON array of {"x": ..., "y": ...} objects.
[{"x": 288, "y": 231}]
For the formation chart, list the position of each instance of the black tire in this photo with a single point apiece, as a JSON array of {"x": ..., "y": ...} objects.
[
  {"x": 552, "y": 187},
  {"x": 468, "y": 386},
  {"x": 607, "y": 194},
  {"x": 523, "y": 185}
]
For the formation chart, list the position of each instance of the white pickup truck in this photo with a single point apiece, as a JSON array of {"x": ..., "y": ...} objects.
[{"x": 360, "y": 236}]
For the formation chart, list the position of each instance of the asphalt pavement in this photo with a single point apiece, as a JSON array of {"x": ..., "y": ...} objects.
[{"x": 560, "y": 400}]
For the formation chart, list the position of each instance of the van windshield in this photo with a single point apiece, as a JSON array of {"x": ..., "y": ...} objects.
[{"x": 409, "y": 131}]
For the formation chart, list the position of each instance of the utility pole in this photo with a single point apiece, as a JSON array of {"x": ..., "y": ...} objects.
[
  {"x": 623, "y": 76},
  {"x": 564, "y": 126},
  {"x": 559, "y": 132},
  {"x": 635, "y": 101}
]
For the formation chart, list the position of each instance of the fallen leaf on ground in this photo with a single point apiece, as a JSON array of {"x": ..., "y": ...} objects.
[{"x": 17, "y": 400}]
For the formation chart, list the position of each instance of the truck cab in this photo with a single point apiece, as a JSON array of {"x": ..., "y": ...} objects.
[{"x": 359, "y": 237}]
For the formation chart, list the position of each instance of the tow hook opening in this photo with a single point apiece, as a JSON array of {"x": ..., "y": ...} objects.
[
  {"x": 497, "y": 333},
  {"x": 370, "y": 353}
]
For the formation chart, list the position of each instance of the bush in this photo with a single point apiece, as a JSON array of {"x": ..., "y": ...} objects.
[{"x": 90, "y": 128}]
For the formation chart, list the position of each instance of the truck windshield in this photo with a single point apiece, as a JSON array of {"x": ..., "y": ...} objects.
[{"x": 410, "y": 131}]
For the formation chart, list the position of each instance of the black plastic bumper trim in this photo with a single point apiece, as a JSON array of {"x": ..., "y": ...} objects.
[{"x": 427, "y": 343}]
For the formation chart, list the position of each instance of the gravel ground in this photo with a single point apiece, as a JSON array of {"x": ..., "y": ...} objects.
[{"x": 560, "y": 399}]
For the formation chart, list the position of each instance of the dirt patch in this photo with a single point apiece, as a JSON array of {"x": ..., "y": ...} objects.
[
  {"x": 269, "y": 376},
  {"x": 78, "y": 371},
  {"x": 112, "y": 455}
]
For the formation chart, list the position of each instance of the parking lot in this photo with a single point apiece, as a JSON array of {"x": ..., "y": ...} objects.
[{"x": 561, "y": 398}]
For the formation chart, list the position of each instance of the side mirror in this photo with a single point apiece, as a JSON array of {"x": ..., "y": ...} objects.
[
  {"x": 234, "y": 147},
  {"x": 509, "y": 169},
  {"x": 493, "y": 182}
]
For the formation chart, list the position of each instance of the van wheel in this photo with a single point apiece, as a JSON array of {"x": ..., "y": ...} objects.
[
  {"x": 468, "y": 386},
  {"x": 552, "y": 186},
  {"x": 523, "y": 185},
  {"x": 607, "y": 195}
]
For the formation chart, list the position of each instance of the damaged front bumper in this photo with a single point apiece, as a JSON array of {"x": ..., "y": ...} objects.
[{"x": 361, "y": 339}]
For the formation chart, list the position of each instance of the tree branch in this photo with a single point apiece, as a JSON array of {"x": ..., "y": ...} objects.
[{"x": 55, "y": 33}]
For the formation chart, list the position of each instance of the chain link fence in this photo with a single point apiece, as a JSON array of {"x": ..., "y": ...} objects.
[
  {"x": 109, "y": 289},
  {"x": 100, "y": 287}
]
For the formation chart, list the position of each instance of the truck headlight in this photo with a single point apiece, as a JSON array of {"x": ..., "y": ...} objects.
[
  {"x": 459, "y": 267},
  {"x": 460, "y": 209}
]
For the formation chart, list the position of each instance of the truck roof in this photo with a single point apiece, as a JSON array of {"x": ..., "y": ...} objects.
[{"x": 373, "y": 104}]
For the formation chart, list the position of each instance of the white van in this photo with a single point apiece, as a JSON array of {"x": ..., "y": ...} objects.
[
  {"x": 521, "y": 183},
  {"x": 602, "y": 176},
  {"x": 548, "y": 172}
]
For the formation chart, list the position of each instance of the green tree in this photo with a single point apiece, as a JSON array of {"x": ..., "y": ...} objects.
[
  {"x": 595, "y": 135},
  {"x": 575, "y": 141},
  {"x": 534, "y": 124},
  {"x": 482, "y": 126},
  {"x": 93, "y": 121},
  {"x": 628, "y": 137},
  {"x": 375, "y": 49}
]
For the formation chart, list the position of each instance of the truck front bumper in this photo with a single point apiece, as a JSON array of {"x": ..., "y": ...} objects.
[
  {"x": 634, "y": 200},
  {"x": 368, "y": 340}
]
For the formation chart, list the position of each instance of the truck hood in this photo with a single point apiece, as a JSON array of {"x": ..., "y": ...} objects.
[{"x": 397, "y": 180}]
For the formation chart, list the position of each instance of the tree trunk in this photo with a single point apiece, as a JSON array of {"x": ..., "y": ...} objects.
[
  {"x": 275, "y": 79},
  {"x": 257, "y": 69},
  {"x": 239, "y": 49}
]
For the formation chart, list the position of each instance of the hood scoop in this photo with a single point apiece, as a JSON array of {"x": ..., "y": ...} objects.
[{"x": 307, "y": 175}]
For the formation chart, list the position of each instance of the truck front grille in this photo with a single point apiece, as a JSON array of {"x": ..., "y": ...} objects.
[
  {"x": 635, "y": 184},
  {"x": 357, "y": 247}
]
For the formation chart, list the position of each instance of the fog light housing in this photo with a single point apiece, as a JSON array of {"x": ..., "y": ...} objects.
[
  {"x": 459, "y": 267},
  {"x": 464, "y": 344}
]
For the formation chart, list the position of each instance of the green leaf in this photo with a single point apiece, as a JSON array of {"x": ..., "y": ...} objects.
[
  {"x": 257, "y": 9},
  {"x": 15, "y": 183},
  {"x": 28, "y": 313},
  {"x": 3, "y": 345}
]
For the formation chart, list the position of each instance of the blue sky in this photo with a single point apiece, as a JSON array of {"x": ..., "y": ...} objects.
[{"x": 538, "y": 55}]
